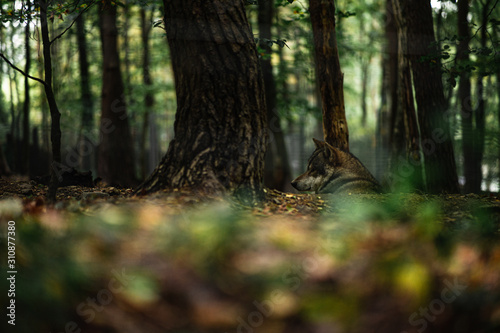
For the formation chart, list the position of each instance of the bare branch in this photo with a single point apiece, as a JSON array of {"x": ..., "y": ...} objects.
[
  {"x": 487, "y": 15},
  {"x": 73, "y": 22},
  {"x": 20, "y": 70}
]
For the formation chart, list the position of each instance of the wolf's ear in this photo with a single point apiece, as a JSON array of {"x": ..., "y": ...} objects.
[
  {"x": 332, "y": 153},
  {"x": 319, "y": 144}
]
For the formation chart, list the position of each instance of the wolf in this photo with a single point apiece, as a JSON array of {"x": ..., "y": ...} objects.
[{"x": 331, "y": 170}]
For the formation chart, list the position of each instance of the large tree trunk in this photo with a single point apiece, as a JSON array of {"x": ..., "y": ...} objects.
[
  {"x": 331, "y": 78},
  {"x": 277, "y": 170},
  {"x": 220, "y": 124},
  {"x": 85, "y": 145},
  {"x": 439, "y": 167},
  {"x": 116, "y": 153}
]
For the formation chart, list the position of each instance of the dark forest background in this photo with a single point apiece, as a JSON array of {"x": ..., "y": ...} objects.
[
  {"x": 146, "y": 103},
  {"x": 421, "y": 89}
]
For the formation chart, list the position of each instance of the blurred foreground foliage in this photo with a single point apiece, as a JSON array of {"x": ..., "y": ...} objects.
[{"x": 388, "y": 263}]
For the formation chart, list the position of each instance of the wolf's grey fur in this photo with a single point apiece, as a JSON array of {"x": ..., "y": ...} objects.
[{"x": 331, "y": 170}]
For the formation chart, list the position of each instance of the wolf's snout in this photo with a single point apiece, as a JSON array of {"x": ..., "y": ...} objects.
[{"x": 300, "y": 184}]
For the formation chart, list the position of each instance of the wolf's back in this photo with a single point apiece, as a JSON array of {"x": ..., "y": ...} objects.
[{"x": 350, "y": 176}]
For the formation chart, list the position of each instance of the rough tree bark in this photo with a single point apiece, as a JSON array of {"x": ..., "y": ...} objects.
[
  {"x": 331, "y": 78},
  {"x": 220, "y": 124},
  {"x": 116, "y": 152},
  {"x": 439, "y": 166}
]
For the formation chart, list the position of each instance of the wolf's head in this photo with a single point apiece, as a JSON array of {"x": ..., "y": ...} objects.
[
  {"x": 331, "y": 170},
  {"x": 320, "y": 168}
]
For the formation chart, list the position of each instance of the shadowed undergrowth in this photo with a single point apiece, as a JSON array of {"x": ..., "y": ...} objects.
[{"x": 297, "y": 263}]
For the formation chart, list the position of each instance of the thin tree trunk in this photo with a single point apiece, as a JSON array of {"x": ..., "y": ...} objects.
[
  {"x": 55, "y": 115},
  {"x": 392, "y": 133},
  {"x": 116, "y": 152},
  {"x": 365, "y": 68},
  {"x": 3, "y": 109},
  {"x": 497, "y": 33},
  {"x": 382, "y": 124},
  {"x": 264, "y": 18},
  {"x": 154, "y": 146},
  {"x": 86, "y": 147},
  {"x": 148, "y": 98},
  {"x": 14, "y": 102},
  {"x": 4, "y": 165},
  {"x": 464, "y": 96},
  {"x": 440, "y": 31},
  {"x": 498, "y": 115},
  {"x": 479, "y": 114},
  {"x": 220, "y": 125},
  {"x": 331, "y": 78},
  {"x": 365, "y": 75},
  {"x": 277, "y": 170},
  {"x": 126, "y": 57},
  {"x": 25, "y": 151},
  {"x": 44, "y": 108},
  {"x": 412, "y": 135},
  {"x": 12, "y": 109}
]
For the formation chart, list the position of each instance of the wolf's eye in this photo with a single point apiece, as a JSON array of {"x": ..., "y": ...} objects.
[{"x": 318, "y": 167}]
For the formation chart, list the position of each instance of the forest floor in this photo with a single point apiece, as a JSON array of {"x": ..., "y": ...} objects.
[
  {"x": 453, "y": 207},
  {"x": 108, "y": 261}
]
